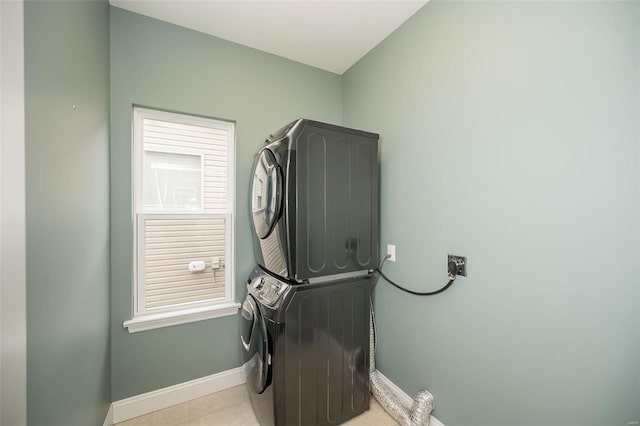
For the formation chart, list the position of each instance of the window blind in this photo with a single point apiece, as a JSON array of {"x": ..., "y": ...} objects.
[
  {"x": 213, "y": 143},
  {"x": 169, "y": 245}
]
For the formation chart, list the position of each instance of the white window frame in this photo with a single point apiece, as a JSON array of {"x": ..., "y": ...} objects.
[{"x": 143, "y": 319}]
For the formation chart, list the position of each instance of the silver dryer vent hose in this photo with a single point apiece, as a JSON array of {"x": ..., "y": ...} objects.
[{"x": 423, "y": 403}]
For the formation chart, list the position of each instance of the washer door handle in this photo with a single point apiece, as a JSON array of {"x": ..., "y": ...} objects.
[
  {"x": 245, "y": 345},
  {"x": 249, "y": 322}
]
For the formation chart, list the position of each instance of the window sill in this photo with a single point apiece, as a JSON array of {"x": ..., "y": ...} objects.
[{"x": 166, "y": 319}]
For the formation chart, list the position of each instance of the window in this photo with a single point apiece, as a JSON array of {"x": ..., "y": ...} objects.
[{"x": 183, "y": 203}]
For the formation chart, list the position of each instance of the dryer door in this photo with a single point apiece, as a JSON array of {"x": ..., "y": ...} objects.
[
  {"x": 255, "y": 344},
  {"x": 266, "y": 193}
]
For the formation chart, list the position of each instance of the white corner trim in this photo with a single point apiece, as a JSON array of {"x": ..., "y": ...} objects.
[
  {"x": 13, "y": 329},
  {"x": 405, "y": 399},
  {"x": 166, "y": 319},
  {"x": 108, "y": 419},
  {"x": 145, "y": 403}
]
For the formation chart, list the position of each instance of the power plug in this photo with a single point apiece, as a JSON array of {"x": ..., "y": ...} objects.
[{"x": 457, "y": 265}]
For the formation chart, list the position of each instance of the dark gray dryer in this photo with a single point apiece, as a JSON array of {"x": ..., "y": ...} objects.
[
  {"x": 306, "y": 349},
  {"x": 315, "y": 203}
]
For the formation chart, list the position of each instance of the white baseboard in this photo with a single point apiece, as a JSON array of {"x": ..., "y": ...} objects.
[
  {"x": 108, "y": 419},
  {"x": 405, "y": 399},
  {"x": 145, "y": 403}
]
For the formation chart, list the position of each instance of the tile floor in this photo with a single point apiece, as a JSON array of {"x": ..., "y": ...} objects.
[{"x": 232, "y": 407}]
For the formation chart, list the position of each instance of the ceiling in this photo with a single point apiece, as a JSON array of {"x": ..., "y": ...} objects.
[{"x": 328, "y": 34}]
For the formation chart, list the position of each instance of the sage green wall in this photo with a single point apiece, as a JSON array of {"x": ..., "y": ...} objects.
[
  {"x": 160, "y": 65},
  {"x": 67, "y": 212},
  {"x": 510, "y": 135}
]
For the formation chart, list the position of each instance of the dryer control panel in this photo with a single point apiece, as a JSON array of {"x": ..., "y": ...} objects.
[{"x": 268, "y": 290}]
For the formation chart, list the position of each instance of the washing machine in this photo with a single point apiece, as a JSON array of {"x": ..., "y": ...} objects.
[{"x": 306, "y": 349}]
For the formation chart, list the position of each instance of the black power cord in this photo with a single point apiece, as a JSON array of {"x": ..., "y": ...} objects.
[{"x": 452, "y": 278}]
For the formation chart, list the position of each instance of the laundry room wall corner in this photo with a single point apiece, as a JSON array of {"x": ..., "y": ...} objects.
[
  {"x": 165, "y": 66},
  {"x": 510, "y": 135},
  {"x": 67, "y": 211}
]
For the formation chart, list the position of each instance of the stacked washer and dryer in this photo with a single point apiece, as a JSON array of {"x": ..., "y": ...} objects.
[{"x": 305, "y": 333}]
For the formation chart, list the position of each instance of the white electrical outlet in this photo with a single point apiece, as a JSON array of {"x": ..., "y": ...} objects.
[
  {"x": 196, "y": 266},
  {"x": 391, "y": 252},
  {"x": 215, "y": 263}
]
